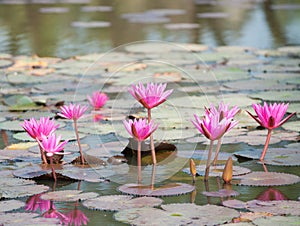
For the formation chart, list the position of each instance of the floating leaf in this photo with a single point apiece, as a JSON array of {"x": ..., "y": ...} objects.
[
  {"x": 9, "y": 205},
  {"x": 284, "y": 96},
  {"x": 282, "y": 207},
  {"x": 267, "y": 179},
  {"x": 11, "y": 126},
  {"x": 91, "y": 24},
  {"x": 292, "y": 125},
  {"x": 177, "y": 214},
  {"x": 217, "y": 171},
  {"x": 96, "y": 8},
  {"x": 21, "y": 103},
  {"x": 277, "y": 220},
  {"x": 214, "y": 15},
  {"x": 180, "y": 26},
  {"x": 165, "y": 190},
  {"x": 54, "y": 10},
  {"x": 21, "y": 146},
  {"x": 120, "y": 202},
  {"x": 16, "y": 219},
  {"x": 66, "y": 135},
  {"x": 221, "y": 193},
  {"x": 234, "y": 203},
  {"x": 68, "y": 195}
]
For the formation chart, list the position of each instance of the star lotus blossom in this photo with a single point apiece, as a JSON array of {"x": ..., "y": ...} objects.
[
  {"x": 37, "y": 129},
  {"x": 271, "y": 194},
  {"x": 140, "y": 130},
  {"x": 270, "y": 117},
  {"x": 150, "y": 96},
  {"x": 72, "y": 111},
  {"x": 213, "y": 125},
  {"x": 225, "y": 112},
  {"x": 97, "y": 100},
  {"x": 52, "y": 145}
]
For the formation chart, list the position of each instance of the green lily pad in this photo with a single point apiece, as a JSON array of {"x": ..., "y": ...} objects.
[
  {"x": 217, "y": 171},
  {"x": 277, "y": 220},
  {"x": 181, "y": 26},
  {"x": 68, "y": 195},
  {"x": 267, "y": 179},
  {"x": 21, "y": 103},
  {"x": 285, "y": 96},
  {"x": 292, "y": 125},
  {"x": 9, "y": 205},
  {"x": 120, "y": 202}
]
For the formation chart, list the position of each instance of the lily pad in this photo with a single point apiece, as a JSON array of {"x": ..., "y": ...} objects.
[
  {"x": 21, "y": 103},
  {"x": 120, "y": 202},
  {"x": 16, "y": 219},
  {"x": 177, "y": 214},
  {"x": 32, "y": 172},
  {"x": 66, "y": 135},
  {"x": 267, "y": 179},
  {"x": 91, "y": 24},
  {"x": 285, "y": 96},
  {"x": 234, "y": 203},
  {"x": 282, "y": 207},
  {"x": 68, "y": 195},
  {"x": 277, "y": 220},
  {"x": 165, "y": 190},
  {"x": 15, "y": 188},
  {"x": 11, "y": 126},
  {"x": 292, "y": 125},
  {"x": 217, "y": 171},
  {"x": 221, "y": 193},
  {"x": 213, "y": 15},
  {"x": 181, "y": 26},
  {"x": 9, "y": 205}
]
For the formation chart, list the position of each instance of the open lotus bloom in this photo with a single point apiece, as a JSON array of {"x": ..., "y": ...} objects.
[
  {"x": 150, "y": 96},
  {"x": 223, "y": 110},
  {"x": 270, "y": 116},
  {"x": 140, "y": 129},
  {"x": 36, "y": 129},
  {"x": 97, "y": 100},
  {"x": 213, "y": 126},
  {"x": 72, "y": 111},
  {"x": 52, "y": 145}
]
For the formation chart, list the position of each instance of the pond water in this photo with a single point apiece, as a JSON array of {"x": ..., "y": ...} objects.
[
  {"x": 64, "y": 29},
  {"x": 236, "y": 58}
]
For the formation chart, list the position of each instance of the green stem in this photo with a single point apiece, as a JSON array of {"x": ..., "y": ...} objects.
[
  {"x": 266, "y": 145},
  {"x": 139, "y": 163},
  {"x": 217, "y": 151},
  {"x": 208, "y": 160},
  {"x": 152, "y": 141},
  {"x": 78, "y": 141}
]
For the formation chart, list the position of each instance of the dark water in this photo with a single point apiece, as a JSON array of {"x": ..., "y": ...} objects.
[{"x": 58, "y": 28}]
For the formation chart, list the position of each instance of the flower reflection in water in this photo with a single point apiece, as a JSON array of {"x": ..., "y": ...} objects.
[
  {"x": 35, "y": 202},
  {"x": 271, "y": 194}
]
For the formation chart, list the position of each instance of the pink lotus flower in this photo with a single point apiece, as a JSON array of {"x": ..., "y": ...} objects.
[
  {"x": 213, "y": 126},
  {"x": 77, "y": 218},
  {"x": 73, "y": 111},
  {"x": 150, "y": 96},
  {"x": 35, "y": 202},
  {"x": 97, "y": 100},
  {"x": 36, "y": 129},
  {"x": 52, "y": 144},
  {"x": 223, "y": 110},
  {"x": 140, "y": 129},
  {"x": 270, "y": 116}
]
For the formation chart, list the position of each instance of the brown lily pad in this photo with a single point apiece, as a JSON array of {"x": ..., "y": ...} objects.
[
  {"x": 68, "y": 195},
  {"x": 267, "y": 179},
  {"x": 16, "y": 219},
  {"x": 165, "y": 190},
  {"x": 282, "y": 207},
  {"x": 120, "y": 202},
  {"x": 217, "y": 171},
  {"x": 221, "y": 193},
  {"x": 9, "y": 205},
  {"x": 234, "y": 203}
]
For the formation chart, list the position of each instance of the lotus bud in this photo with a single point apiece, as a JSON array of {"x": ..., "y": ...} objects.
[
  {"x": 193, "y": 169},
  {"x": 227, "y": 172}
]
